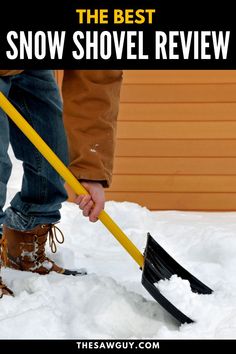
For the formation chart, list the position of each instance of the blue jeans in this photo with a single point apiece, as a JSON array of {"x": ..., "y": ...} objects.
[{"x": 35, "y": 94}]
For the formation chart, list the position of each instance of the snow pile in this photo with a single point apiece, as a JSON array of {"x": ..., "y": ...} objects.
[
  {"x": 179, "y": 293},
  {"x": 110, "y": 302}
]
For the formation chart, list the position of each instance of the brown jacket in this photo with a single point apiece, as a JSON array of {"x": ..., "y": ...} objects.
[
  {"x": 91, "y": 101},
  {"x": 10, "y": 72}
]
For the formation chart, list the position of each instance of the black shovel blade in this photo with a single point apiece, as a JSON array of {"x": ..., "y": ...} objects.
[{"x": 158, "y": 264}]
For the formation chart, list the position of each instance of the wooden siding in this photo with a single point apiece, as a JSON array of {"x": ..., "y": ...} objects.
[{"x": 176, "y": 146}]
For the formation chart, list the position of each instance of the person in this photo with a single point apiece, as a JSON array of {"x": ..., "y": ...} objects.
[{"x": 91, "y": 101}]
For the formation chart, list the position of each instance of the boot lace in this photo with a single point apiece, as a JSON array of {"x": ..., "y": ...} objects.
[
  {"x": 55, "y": 235},
  {"x": 53, "y": 238}
]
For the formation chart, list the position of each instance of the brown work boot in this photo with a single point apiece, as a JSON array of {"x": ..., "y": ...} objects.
[
  {"x": 25, "y": 250},
  {"x": 4, "y": 290}
]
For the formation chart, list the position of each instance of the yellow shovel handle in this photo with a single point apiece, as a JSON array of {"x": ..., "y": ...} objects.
[{"x": 65, "y": 173}]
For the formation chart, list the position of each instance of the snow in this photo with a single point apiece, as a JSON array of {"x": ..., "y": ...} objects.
[{"x": 110, "y": 302}]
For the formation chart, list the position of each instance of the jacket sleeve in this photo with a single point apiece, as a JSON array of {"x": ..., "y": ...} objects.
[
  {"x": 91, "y": 102},
  {"x": 10, "y": 72}
]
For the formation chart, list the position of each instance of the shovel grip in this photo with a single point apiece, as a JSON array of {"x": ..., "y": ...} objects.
[{"x": 65, "y": 173}]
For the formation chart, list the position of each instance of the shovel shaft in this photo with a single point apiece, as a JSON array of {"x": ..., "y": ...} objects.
[{"x": 65, "y": 173}]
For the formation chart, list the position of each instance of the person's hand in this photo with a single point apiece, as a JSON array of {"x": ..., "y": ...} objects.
[{"x": 93, "y": 203}]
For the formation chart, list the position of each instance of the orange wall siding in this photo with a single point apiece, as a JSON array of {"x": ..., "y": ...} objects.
[{"x": 176, "y": 145}]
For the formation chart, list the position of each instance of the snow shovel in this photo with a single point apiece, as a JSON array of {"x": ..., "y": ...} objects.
[{"x": 156, "y": 263}]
